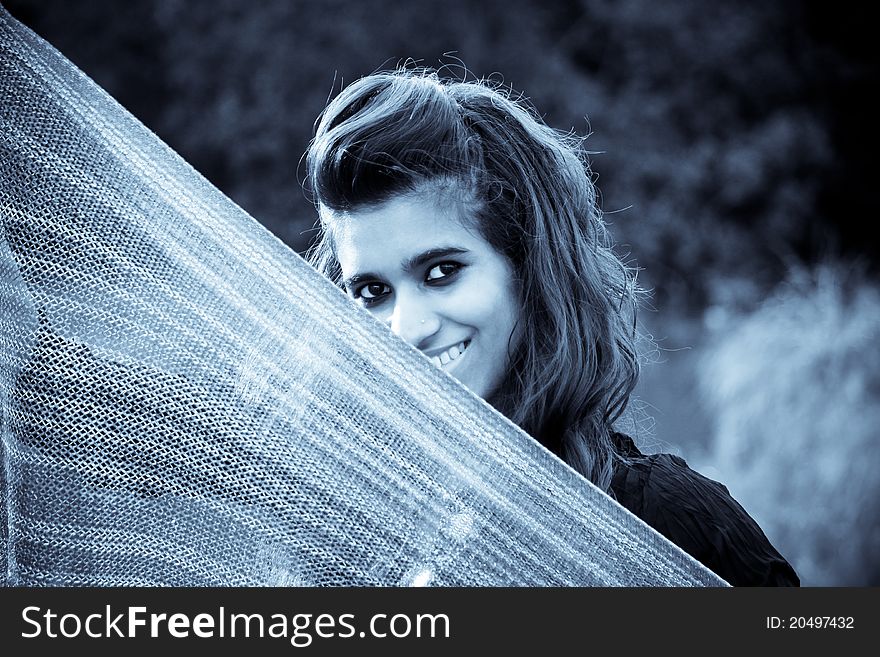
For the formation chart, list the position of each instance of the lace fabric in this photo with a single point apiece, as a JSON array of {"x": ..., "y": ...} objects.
[{"x": 185, "y": 401}]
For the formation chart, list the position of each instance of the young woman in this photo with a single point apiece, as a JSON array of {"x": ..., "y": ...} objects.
[{"x": 453, "y": 213}]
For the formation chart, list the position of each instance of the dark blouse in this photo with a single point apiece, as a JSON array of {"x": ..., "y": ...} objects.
[{"x": 699, "y": 515}]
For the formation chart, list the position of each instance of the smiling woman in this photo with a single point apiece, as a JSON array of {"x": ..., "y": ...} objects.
[
  {"x": 455, "y": 215},
  {"x": 415, "y": 263}
]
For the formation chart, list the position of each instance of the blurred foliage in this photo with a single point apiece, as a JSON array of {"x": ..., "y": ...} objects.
[
  {"x": 728, "y": 132},
  {"x": 795, "y": 393}
]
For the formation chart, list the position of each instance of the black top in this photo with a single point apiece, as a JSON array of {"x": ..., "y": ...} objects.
[{"x": 699, "y": 515}]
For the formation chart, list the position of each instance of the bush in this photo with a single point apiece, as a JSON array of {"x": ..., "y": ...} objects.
[{"x": 794, "y": 389}]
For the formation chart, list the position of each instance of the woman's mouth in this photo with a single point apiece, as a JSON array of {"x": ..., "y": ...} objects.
[{"x": 450, "y": 355}]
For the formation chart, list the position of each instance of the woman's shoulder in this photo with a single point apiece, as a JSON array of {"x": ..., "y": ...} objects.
[{"x": 700, "y": 516}]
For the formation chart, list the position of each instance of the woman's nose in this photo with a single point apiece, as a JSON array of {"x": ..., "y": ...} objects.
[{"x": 414, "y": 321}]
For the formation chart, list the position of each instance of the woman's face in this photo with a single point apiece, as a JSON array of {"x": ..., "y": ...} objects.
[{"x": 439, "y": 285}]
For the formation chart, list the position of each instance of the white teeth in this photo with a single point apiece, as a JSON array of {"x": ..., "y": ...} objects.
[{"x": 449, "y": 355}]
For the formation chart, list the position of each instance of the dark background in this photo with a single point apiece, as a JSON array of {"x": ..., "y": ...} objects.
[{"x": 734, "y": 146}]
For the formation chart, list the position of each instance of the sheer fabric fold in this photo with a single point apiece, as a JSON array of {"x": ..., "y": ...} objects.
[{"x": 184, "y": 401}]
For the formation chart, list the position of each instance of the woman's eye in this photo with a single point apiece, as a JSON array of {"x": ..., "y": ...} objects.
[
  {"x": 371, "y": 292},
  {"x": 442, "y": 270}
]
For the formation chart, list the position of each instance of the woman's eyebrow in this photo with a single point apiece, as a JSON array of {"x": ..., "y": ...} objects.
[
  {"x": 409, "y": 265},
  {"x": 418, "y": 261},
  {"x": 359, "y": 278}
]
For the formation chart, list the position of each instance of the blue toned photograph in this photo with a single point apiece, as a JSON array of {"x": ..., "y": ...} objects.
[{"x": 527, "y": 293}]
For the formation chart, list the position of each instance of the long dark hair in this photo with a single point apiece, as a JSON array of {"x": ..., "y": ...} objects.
[{"x": 530, "y": 191}]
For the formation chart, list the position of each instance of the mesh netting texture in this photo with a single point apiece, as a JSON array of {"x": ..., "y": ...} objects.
[{"x": 185, "y": 401}]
